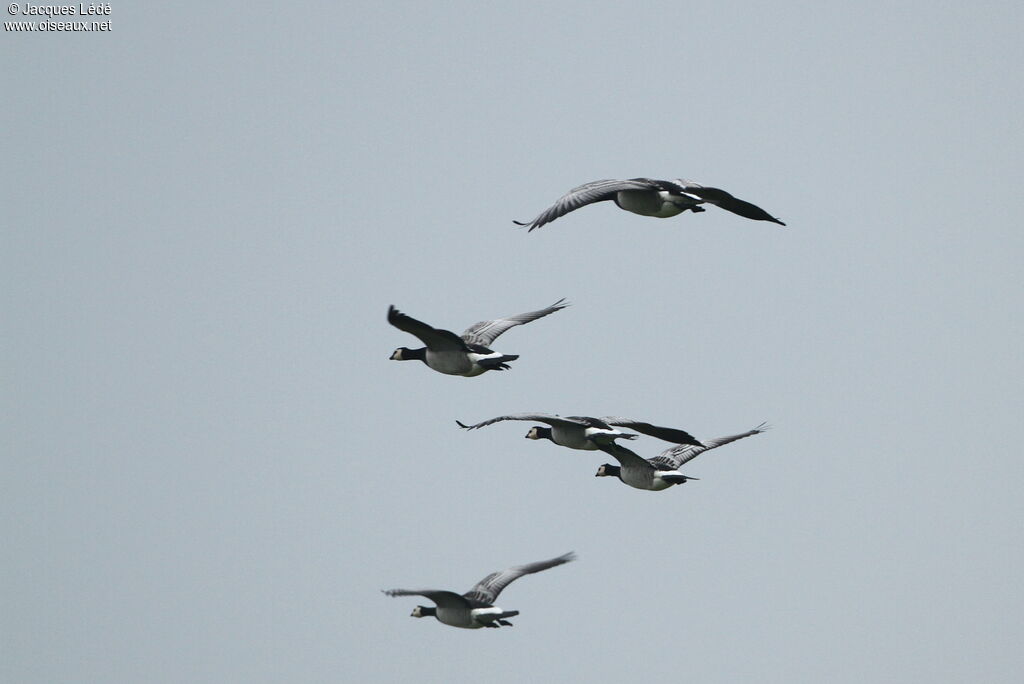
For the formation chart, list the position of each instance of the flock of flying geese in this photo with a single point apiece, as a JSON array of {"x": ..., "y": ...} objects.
[{"x": 469, "y": 355}]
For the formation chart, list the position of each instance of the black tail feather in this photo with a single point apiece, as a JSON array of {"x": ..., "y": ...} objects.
[{"x": 498, "y": 363}]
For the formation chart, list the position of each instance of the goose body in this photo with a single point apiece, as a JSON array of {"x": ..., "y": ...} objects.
[
  {"x": 662, "y": 471},
  {"x": 475, "y": 608},
  {"x": 650, "y": 197},
  {"x": 468, "y": 354},
  {"x": 586, "y": 433},
  {"x": 585, "y": 436}
]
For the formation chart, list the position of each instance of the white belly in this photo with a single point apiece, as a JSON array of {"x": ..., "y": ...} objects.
[
  {"x": 483, "y": 612},
  {"x": 449, "y": 362},
  {"x": 457, "y": 363},
  {"x": 457, "y": 617},
  {"x": 639, "y": 479},
  {"x": 574, "y": 437},
  {"x": 585, "y": 439},
  {"x": 648, "y": 203},
  {"x": 603, "y": 435},
  {"x": 659, "y": 484}
]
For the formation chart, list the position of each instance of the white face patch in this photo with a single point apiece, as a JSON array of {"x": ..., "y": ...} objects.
[
  {"x": 397, "y": 355},
  {"x": 532, "y": 434}
]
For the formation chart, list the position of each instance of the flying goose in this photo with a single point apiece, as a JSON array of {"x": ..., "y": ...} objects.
[
  {"x": 662, "y": 471},
  {"x": 475, "y": 608},
  {"x": 649, "y": 197},
  {"x": 584, "y": 432},
  {"x": 467, "y": 355}
]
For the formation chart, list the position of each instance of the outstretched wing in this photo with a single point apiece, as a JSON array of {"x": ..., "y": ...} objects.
[
  {"x": 588, "y": 193},
  {"x": 444, "y": 599},
  {"x": 667, "y": 434},
  {"x": 625, "y": 457},
  {"x": 485, "y": 332},
  {"x": 724, "y": 200},
  {"x": 678, "y": 455},
  {"x": 489, "y": 587},
  {"x": 435, "y": 338},
  {"x": 536, "y": 417}
]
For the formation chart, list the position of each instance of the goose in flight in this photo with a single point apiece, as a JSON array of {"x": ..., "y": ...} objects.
[
  {"x": 584, "y": 432},
  {"x": 649, "y": 197},
  {"x": 475, "y": 608},
  {"x": 468, "y": 354},
  {"x": 662, "y": 471}
]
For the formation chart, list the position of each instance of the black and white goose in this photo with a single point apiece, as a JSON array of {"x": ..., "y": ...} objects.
[
  {"x": 475, "y": 608},
  {"x": 662, "y": 471},
  {"x": 468, "y": 354},
  {"x": 584, "y": 432},
  {"x": 650, "y": 197}
]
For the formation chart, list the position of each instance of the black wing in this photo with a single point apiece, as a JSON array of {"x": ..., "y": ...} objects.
[
  {"x": 625, "y": 457},
  {"x": 435, "y": 338},
  {"x": 667, "y": 434},
  {"x": 724, "y": 200}
]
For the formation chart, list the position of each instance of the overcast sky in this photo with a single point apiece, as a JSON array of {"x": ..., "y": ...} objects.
[{"x": 211, "y": 468}]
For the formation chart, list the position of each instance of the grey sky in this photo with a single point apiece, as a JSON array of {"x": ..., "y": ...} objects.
[{"x": 211, "y": 467}]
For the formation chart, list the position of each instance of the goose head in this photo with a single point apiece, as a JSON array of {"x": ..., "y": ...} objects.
[
  {"x": 537, "y": 432},
  {"x": 406, "y": 354},
  {"x": 423, "y": 611}
]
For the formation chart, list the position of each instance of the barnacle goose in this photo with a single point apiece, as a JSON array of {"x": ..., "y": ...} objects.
[
  {"x": 475, "y": 608},
  {"x": 650, "y": 197},
  {"x": 584, "y": 432},
  {"x": 662, "y": 471},
  {"x": 467, "y": 355}
]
